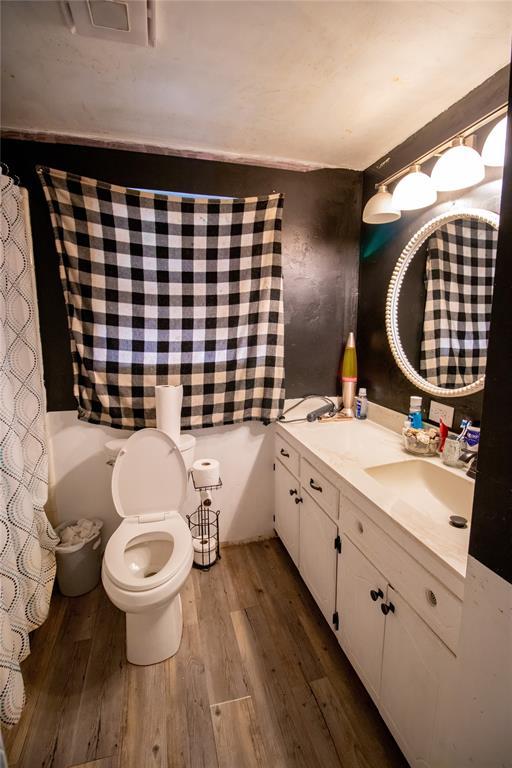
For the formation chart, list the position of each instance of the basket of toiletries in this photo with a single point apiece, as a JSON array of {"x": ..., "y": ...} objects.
[{"x": 421, "y": 442}]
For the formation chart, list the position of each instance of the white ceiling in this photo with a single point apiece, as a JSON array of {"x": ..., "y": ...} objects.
[{"x": 313, "y": 83}]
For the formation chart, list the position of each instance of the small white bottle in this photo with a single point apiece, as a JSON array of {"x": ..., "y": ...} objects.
[{"x": 361, "y": 404}]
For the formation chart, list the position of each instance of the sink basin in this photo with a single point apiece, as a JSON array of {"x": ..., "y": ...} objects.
[{"x": 431, "y": 489}]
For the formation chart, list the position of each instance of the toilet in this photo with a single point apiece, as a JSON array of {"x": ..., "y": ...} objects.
[{"x": 148, "y": 558}]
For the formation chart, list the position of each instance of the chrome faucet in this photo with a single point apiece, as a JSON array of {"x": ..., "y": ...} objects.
[{"x": 469, "y": 458}]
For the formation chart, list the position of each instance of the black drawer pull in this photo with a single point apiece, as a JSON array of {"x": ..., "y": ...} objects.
[
  {"x": 387, "y": 608},
  {"x": 293, "y": 491},
  {"x": 315, "y": 487},
  {"x": 431, "y": 597},
  {"x": 285, "y": 453},
  {"x": 298, "y": 500},
  {"x": 375, "y": 594}
]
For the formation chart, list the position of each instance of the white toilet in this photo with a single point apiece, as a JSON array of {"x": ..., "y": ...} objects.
[{"x": 148, "y": 558}]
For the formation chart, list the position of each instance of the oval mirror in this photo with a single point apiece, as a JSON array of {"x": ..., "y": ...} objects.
[{"x": 439, "y": 302}]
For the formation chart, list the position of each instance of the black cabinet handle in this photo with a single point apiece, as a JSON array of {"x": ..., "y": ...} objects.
[
  {"x": 315, "y": 487},
  {"x": 387, "y": 608},
  {"x": 375, "y": 594},
  {"x": 293, "y": 491},
  {"x": 285, "y": 453},
  {"x": 298, "y": 500}
]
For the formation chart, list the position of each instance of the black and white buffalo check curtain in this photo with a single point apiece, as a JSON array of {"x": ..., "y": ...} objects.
[
  {"x": 163, "y": 289},
  {"x": 459, "y": 281}
]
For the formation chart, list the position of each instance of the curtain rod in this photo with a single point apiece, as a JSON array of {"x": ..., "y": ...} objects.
[{"x": 465, "y": 132}]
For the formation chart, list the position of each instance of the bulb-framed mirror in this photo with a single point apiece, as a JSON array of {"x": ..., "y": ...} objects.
[{"x": 448, "y": 357}]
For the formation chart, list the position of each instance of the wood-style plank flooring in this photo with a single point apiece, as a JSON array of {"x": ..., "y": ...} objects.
[{"x": 259, "y": 681}]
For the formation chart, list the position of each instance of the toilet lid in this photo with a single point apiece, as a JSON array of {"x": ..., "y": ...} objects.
[{"x": 149, "y": 475}]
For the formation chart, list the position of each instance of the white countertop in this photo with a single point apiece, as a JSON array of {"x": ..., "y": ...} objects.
[{"x": 350, "y": 447}]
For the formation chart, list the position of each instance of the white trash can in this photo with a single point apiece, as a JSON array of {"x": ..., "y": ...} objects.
[{"x": 79, "y": 564}]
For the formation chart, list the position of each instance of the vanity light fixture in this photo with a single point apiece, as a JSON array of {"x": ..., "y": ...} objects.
[
  {"x": 380, "y": 208},
  {"x": 459, "y": 167},
  {"x": 415, "y": 190},
  {"x": 493, "y": 153}
]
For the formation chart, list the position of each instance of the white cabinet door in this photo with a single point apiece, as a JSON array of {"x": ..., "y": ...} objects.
[
  {"x": 414, "y": 663},
  {"x": 361, "y": 589},
  {"x": 318, "y": 556},
  {"x": 286, "y": 510}
]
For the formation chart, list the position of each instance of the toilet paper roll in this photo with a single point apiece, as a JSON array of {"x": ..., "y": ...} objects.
[
  {"x": 206, "y": 472},
  {"x": 168, "y": 409},
  {"x": 205, "y": 550}
]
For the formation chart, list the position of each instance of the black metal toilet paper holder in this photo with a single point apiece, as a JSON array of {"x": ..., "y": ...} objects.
[{"x": 204, "y": 527}]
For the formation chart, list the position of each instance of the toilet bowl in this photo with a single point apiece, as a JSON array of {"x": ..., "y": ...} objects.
[{"x": 148, "y": 558}]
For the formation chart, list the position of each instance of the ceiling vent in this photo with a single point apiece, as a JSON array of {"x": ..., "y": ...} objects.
[{"x": 125, "y": 21}]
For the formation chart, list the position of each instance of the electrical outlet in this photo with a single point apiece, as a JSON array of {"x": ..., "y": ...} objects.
[{"x": 440, "y": 411}]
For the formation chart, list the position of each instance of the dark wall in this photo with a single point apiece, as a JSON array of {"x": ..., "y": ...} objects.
[
  {"x": 381, "y": 246},
  {"x": 491, "y": 528},
  {"x": 321, "y": 224}
]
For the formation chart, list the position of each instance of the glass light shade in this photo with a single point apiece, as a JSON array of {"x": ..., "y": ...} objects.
[
  {"x": 459, "y": 167},
  {"x": 493, "y": 153},
  {"x": 414, "y": 191},
  {"x": 380, "y": 209}
]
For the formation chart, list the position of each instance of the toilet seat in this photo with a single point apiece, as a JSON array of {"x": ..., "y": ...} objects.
[
  {"x": 149, "y": 485},
  {"x": 149, "y": 475},
  {"x": 130, "y": 532}
]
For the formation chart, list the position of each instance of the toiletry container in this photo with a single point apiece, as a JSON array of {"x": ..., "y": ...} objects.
[
  {"x": 472, "y": 438},
  {"x": 361, "y": 404},
  {"x": 415, "y": 417}
]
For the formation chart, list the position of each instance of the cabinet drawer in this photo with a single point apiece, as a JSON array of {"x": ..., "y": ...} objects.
[
  {"x": 430, "y": 599},
  {"x": 320, "y": 489},
  {"x": 287, "y": 455}
]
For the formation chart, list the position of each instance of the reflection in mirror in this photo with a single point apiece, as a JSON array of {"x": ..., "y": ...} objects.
[
  {"x": 439, "y": 302},
  {"x": 459, "y": 278},
  {"x": 445, "y": 305}
]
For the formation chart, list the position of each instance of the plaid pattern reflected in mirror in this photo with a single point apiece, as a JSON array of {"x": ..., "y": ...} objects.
[{"x": 459, "y": 284}]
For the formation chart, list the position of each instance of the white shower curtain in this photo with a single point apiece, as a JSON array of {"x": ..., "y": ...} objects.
[{"x": 27, "y": 541}]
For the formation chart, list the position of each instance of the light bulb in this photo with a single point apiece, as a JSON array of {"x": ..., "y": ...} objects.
[
  {"x": 414, "y": 190},
  {"x": 459, "y": 167},
  {"x": 493, "y": 153},
  {"x": 380, "y": 209}
]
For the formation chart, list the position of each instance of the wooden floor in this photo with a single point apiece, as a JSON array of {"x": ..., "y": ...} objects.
[{"x": 259, "y": 680}]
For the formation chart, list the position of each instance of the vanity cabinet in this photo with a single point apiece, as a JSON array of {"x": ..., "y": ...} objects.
[
  {"x": 414, "y": 663},
  {"x": 397, "y": 622},
  {"x": 305, "y": 527},
  {"x": 397, "y": 656},
  {"x": 287, "y": 510},
  {"x": 318, "y": 554},
  {"x": 361, "y": 589}
]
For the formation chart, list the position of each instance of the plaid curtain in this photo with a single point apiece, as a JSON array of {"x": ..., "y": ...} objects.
[
  {"x": 459, "y": 280},
  {"x": 163, "y": 289}
]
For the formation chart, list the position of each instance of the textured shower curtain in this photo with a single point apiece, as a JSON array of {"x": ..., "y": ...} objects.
[{"x": 27, "y": 541}]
